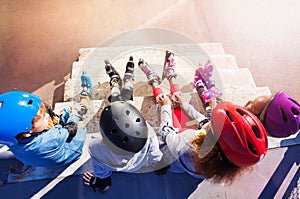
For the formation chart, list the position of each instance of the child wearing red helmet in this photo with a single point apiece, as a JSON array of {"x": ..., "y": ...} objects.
[{"x": 205, "y": 152}]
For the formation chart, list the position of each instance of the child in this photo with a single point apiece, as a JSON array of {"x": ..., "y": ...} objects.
[
  {"x": 34, "y": 134},
  {"x": 126, "y": 143},
  {"x": 182, "y": 114},
  {"x": 207, "y": 153},
  {"x": 206, "y": 87},
  {"x": 280, "y": 114}
]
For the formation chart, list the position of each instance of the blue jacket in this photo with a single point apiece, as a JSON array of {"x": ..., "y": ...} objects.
[{"x": 49, "y": 148}]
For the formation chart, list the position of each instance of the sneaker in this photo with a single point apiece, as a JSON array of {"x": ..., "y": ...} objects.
[
  {"x": 86, "y": 85},
  {"x": 204, "y": 74},
  {"x": 169, "y": 65},
  {"x": 129, "y": 69},
  {"x": 115, "y": 79},
  {"x": 151, "y": 75}
]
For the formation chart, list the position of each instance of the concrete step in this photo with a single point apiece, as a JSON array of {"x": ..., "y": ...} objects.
[
  {"x": 186, "y": 49},
  {"x": 241, "y": 95},
  {"x": 236, "y": 77},
  {"x": 93, "y": 61},
  {"x": 226, "y": 61}
]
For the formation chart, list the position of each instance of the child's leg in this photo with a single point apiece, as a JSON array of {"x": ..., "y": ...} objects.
[
  {"x": 127, "y": 90},
  {"x": 115, "y": 82},
  {"x": 170, "y": 74},
  {"x": 205, "y": 87}
]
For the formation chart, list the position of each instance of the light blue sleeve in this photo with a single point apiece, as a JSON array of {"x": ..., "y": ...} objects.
[{"x": 101, "y": 170}]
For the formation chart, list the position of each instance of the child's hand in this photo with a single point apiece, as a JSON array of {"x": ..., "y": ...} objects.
[
  {"x": 99, "y": 185},
  {"x": 164, "y": 99},
  {"x": 176, "y": 98}
]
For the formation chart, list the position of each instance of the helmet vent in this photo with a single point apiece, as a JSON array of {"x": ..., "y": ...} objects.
[
  {"x": 284, "y": 116},
  {"x": 240, "y": 112},
  {"x": 251, "y": 148},
  {"x": 294, "y": 101},
  {"x": 113, "y": 131},
  {"x": 293, "y": 109},
  {"x": 30, "y": 102},
  {"x": 256, "y": 131},
  {"x": 229, "y": 116},
  {"x": 127, "y": 112},
  {"x": 125, "y": 139},
  {"x": 126, "y": 125},
  {"x": 138, "y": 119},
  {"x": 137, "y": 133}
]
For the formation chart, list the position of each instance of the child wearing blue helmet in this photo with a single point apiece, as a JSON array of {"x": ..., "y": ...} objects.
[{"x": 35, "y": 134}]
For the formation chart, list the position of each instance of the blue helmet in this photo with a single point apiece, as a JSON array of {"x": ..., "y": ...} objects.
[{"x": 17, "y": 110}]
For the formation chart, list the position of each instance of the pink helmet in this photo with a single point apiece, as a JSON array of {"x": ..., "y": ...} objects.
[
  {"x": 240, "y": 134},
  {"x": 281, "y": 117}
]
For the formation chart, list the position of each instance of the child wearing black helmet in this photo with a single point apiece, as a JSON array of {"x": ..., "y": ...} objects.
[{"x": 126, "y": 142}]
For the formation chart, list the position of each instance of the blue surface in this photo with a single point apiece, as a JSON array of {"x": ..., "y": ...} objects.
[{"x": 124, "y": 185}]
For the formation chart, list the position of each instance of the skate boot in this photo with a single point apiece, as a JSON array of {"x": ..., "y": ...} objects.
[
  {"x": 85, "y": 95},
  {"x": 151, "y": 75},
  {"x": 203, "y": 76},
  {"x": 129, "y": 70},
  {"x": 86, "y": 85},
  {"x": 127, "y": 90},
  {"x": 169, "y": 65},
  {"x": 115, "y": 79}
]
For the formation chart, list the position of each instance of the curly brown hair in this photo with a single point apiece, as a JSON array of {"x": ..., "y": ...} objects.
[
  {"x": 210, "y": 161},
  {"x": 41, "y": 112}
]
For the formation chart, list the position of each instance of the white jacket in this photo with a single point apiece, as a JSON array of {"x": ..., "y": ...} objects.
[{"x": 105, "y": 161}]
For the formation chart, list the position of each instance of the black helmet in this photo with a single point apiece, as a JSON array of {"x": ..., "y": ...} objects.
[{"x": 124, "y": 126}]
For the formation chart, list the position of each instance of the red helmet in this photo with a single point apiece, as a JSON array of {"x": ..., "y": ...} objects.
[{"x": 240, "y": 134}]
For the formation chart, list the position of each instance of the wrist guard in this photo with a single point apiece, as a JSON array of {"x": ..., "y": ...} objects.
[
  {"x": 72, "y": 129},
  {"x": 100, "y": 185}
]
